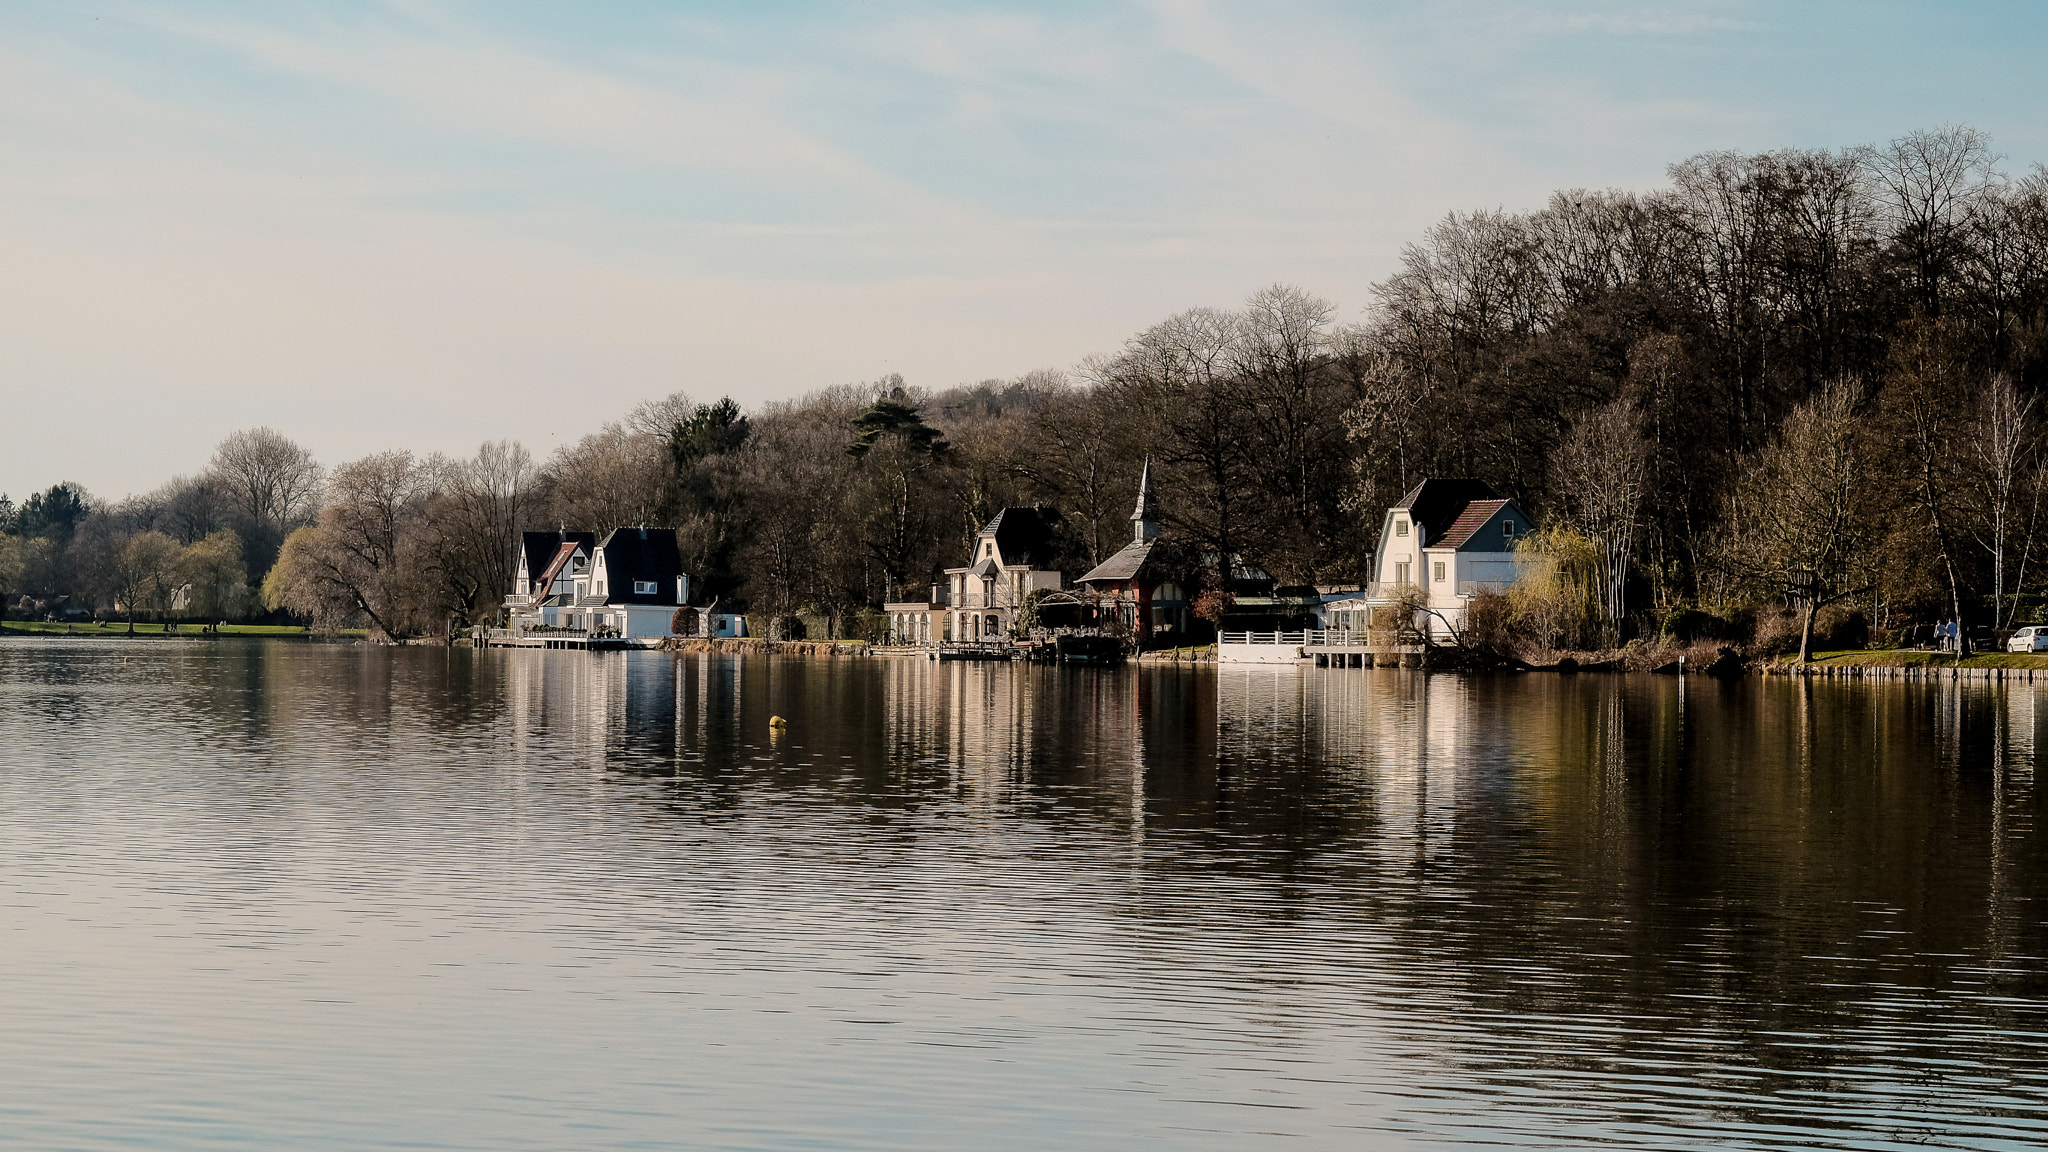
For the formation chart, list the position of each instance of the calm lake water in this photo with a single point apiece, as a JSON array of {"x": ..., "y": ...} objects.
[{"x": 283, "y": 896}]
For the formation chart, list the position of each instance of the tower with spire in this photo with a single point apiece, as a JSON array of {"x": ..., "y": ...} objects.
[
  {"x": 1145, "y": 518},
  {"x": 1143, "y": 590}
]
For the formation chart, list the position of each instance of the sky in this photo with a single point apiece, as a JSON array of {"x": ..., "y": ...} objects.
[{"x": 423, "y": 224}]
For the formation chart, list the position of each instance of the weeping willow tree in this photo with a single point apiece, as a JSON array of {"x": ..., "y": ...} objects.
[{"x": 1556, "y": 598}]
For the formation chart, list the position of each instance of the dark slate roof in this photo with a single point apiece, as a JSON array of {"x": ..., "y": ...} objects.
[
  {"x": 641, "y": 554},
  {"x": 1024, "y": 535},
  {"x": 540, "y": 548},
  {"x": 1437, "y": 504},
  {"x": 1128, "y": 562},
  {"x": 1471, "y": 520}
]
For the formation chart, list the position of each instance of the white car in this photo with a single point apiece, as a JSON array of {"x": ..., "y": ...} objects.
[{"x": 2029, "y": 639}]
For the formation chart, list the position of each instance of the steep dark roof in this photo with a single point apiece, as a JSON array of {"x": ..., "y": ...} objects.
[
  {"x": 1437, "y": 504},
  {"x": 1024, "y": 536},
  {"x": 540, "y": 547},
  {"x": 1471, "y": 520},
  {"x": 641, "y": 554}
]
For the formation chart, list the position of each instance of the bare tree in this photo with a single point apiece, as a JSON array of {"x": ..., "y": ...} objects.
[
  {"x": 368, "y": 554},
  {"x": 660, "y": 417},
  {"x": 1810, "y": 508},
  {"x": 482, "y": 505},
  {"x": 1601, "y": 476},
  {"x": 1929, "y": 184},
  {"x": 271, "y": 480},
  {"x": 146, "y": 573},
  {"x": 1930, "y": 417},
  {"x": 612, "y": 478},
  {"x": 1073, "y": 460},
  {"x": 2006, "y": 447}
]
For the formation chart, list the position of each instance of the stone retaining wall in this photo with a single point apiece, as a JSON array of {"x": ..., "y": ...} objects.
[{"x": 697, "y": 645}]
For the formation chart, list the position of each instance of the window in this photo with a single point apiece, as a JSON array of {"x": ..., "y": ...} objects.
[
  {"x": 1507, "y": 529},
  {"x": 1401, "y": 572},
  {"x": 1439, "y": 572},
  {"x": 1400, "y": 527},
  {"x": 643, "y": 587}
]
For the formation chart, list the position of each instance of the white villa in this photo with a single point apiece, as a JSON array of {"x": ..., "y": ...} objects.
[
  {"x": 1447, "y": 540},
  {"x": 628, "y": 586},
  {"x": 551, "y": 565},
  {"x": 1012, "y": 557}
]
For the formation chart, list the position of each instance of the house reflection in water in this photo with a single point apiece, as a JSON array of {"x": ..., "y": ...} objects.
[{"x": 1611, "y": 794}]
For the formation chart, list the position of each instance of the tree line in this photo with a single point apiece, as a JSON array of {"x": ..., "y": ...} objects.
[{"x": 1799, "y": 377}]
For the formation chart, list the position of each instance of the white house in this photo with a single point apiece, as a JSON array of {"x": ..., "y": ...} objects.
[
  {"x": 636, "y": 585},
  {"x": 550, "y": 567},
  {"x": 1012, "y": 558},
  {"x": 628, "y": 586},
  {"x": 1447, "y": 540}
]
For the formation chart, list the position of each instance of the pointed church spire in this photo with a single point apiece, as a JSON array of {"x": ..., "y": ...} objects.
[{"x": 1146, "y": 516}]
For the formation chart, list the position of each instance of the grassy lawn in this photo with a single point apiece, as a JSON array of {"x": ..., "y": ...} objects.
[
  {"x": 150, "y": 630},
  {"x": 1903, "y": 658}
]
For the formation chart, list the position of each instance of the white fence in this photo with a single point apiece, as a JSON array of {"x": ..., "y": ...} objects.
[{"x": 1312, "y": 638}]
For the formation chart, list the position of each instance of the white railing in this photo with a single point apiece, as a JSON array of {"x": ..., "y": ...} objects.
[
  {"x": 1263, "y": 637},
  {"x": 1403, "y": 640},
  {"x": 523, "y": 630},
  {"x": 1475, "y": 587},
  {"x": 1312, "y": 637}
]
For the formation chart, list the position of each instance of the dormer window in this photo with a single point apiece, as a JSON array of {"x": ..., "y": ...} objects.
[
  {"x": 1400, "y": 527},
  {"x": 643, "y": 587}
]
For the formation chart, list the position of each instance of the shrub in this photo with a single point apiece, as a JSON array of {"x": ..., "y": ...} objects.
[
  {"x": 1490, "y": 624},
  {"x": 1777, "y": 632},
  {"x": 1686, "y": 624},
  {"x": 1840, "y": 626},
  {"x": 1556, "y": 592}
]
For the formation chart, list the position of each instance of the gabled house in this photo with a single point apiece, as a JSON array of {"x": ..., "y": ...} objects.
[
  {"x": 549, "y": 568},
  {"x": 1443, "y": 543},
  {"x": 1012, "y": 557},
  {"x": 1137, "y": 582},
  {"x": 628, "y": 586},
  {"x": 636, "y": 584}
]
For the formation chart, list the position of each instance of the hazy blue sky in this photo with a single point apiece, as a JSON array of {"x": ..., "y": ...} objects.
[{"x": 423, "y": 224}]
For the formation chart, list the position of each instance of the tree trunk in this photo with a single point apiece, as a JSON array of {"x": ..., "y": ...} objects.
[{"x": 1806, "y": 630}]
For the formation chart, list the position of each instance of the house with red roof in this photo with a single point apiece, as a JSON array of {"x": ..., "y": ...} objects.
[
  {"x": 549, "y": 568},
  {"x": 1446, "y": 540}
]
